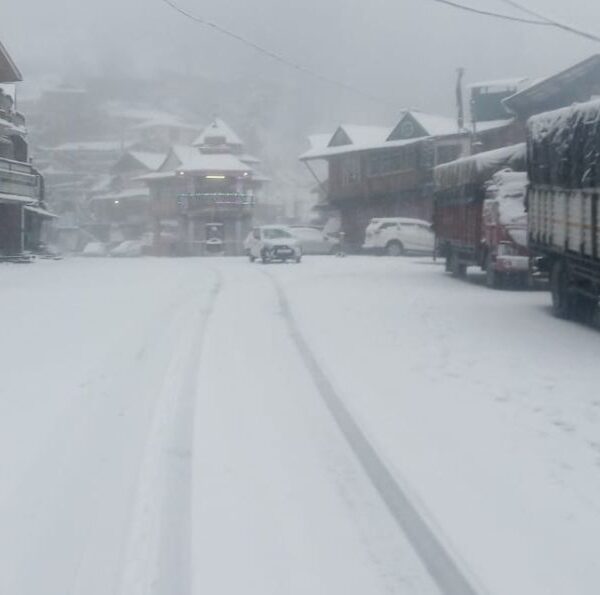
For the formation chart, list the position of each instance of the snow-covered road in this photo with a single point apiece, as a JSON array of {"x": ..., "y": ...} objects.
[{"x": 161, "y": 432}]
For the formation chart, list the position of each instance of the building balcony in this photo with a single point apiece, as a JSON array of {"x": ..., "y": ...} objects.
[
  {"x": 198, "y": 203},
  {"x": 19, "y": 182}
]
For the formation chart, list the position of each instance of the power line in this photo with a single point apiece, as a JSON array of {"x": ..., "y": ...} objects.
[
  {"x": 497, "y": 15},
  {"x": 552, "y": 22},
  {"x": 275, "y": 56}
]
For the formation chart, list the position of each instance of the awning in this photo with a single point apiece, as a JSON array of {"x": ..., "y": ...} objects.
[
  {"x": 15, "y": 199},
  {"x": 41, "y": 212}
]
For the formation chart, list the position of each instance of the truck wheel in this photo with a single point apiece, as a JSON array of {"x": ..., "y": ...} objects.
[
  {"x": 448, "y": 261},
  {"x": 394, "y": 248},
  {"x": 562, "y": 301},
  {"x": 491, "y": 277},
  {"x": 458, "y": 268}
]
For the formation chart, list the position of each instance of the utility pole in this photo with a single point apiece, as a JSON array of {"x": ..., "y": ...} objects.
[{"x": 459, "y": 99}]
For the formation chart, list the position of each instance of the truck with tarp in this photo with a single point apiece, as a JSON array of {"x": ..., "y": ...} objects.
[
  {"x": 563, "y": 154},
  {"x": 479, "y": 215}
]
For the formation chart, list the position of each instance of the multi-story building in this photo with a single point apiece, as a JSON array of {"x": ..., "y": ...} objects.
[
  {"x": 383, "y": 171},
  {"x": 22, "y": 208},
  {"x": 203, "y": 196}
]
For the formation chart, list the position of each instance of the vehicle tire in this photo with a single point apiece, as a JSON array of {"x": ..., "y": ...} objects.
[
  {"x": 265, "y": 256},
  {"x": 448, "y": 261},
  {"x": 394, "y": 248},
  {"x": 492, "y": 278},
  {"x": 562, "y": 301},
  {"x": 457, "y": 268}
]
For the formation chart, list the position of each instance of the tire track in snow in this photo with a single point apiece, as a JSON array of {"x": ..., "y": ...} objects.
[
  {"x": 158, "y": 556},
  {"x": 448, "y": 573}
]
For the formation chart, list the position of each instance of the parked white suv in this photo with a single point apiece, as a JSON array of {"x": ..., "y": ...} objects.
[
  {"x": 399, "y": 235},
  {"x": 273, "y": 242}
]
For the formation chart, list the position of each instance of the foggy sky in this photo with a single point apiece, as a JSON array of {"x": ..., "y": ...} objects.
[{"x": 405, "y": 51}]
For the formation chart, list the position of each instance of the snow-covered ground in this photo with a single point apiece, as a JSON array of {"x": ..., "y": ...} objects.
[{"x": 160, "y": 432}]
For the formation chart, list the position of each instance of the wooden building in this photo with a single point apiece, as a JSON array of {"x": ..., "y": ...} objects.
[
  {"x": 204, "y": 195},
  {"x": 22, "y": 210},
  {"x": 385, "y": 172}
]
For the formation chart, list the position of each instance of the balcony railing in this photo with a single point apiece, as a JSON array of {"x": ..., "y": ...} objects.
[
  {"x": 202, "y": 200},
  {"x": 19, "y": 179}
]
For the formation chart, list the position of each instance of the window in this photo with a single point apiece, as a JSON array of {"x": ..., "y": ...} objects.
[
  {"x": 390, "y": 161},
  {"x": 273, "y": 234}
]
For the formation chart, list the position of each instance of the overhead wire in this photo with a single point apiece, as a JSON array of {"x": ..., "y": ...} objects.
[
  {"x": 497, "y": 15},
  {"x": 275, "y": 56},
  {"x": 552, "y": 22}
]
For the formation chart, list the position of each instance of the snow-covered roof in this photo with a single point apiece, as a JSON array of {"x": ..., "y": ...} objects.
[
  {"x": 249, "y": 159},
  {"x": 493, "y": 124},
  {"x": 166, "y": 121},
  {"x": 191, "y": 159},
  {"x": 9, "y": 73},
  {"x": 218, "y": 129},
  {"x": 507, "y": 83},
  {"x": 434, "y": 124},
  {"x": 355, "y": 138},
  {"x": 364, "y": 135},
  {"x": 567, "y": 82},
  {"x": 141, "y": 192},
  {"x": 151, "y": 161},
  {"x": 90, "y": 146},
  {"x": 345, "y": 149},
  {"x": 319, "y": 140}
]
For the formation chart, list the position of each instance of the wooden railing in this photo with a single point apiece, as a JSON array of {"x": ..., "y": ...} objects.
[{"x": 20, "y": 179}]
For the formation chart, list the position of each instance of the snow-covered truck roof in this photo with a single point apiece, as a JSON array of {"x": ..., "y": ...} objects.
[
  {"x": 477, "y": 169},
  {"x": 563, "y": 146}
]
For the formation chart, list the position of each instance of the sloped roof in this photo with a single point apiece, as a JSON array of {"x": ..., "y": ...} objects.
[
  {"x": 141, "y": 192},
  {"x": 361, "y": 135},
  {"x": 165, "y": 120},
  {"x": 151, "y": 161},
  {"x": 434, "y": 124},
  {"x": 218, "y": 128},
  {"x": 558, "y": 90},
  {"x": 319, "y": 140},
  {"x": 191, "y": 159},
  {"x": 350, "y": 138},
  {"x": 9, "y": 73}
]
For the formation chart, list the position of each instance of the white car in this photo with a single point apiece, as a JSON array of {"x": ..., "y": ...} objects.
[
  {"x": 399, "y": 235},
  {"x": 273, "y": 242},
  {"x": 315, "y": 240}
]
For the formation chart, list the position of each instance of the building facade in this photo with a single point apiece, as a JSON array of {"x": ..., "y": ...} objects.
[
  {"x": 203, "y": 196},
  {"x": 22, "y": 207},
  {"x": 385, "y": 172}
]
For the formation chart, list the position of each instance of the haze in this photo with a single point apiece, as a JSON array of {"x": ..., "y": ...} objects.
[{"x": 405, "y": 51}]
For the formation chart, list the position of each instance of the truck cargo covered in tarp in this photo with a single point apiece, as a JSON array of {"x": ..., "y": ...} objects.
[
  {"x": 563, "y": 198},
  {"x": 474, "y": 171},
  {"x": 564, "y": 147}
]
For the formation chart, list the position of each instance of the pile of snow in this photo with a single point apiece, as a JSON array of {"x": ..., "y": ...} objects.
[{"x": 509, "y": 188}]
